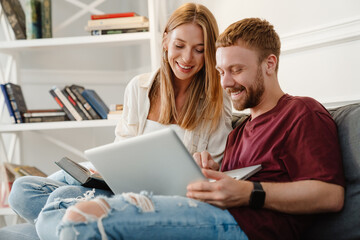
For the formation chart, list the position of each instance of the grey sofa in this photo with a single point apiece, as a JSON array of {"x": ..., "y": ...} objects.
[{"x": 340, "y": 226}]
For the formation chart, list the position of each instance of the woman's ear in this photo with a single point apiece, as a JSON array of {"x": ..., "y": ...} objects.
[
  {"x": 165, "y": 41},
  {"x": 271, "y": 63}
]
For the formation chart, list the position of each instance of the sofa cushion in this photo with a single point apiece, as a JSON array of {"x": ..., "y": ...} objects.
[{"x": 346, "y": 223}]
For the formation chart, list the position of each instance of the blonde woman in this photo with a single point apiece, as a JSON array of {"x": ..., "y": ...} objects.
[{"x": 185, "y": 93}]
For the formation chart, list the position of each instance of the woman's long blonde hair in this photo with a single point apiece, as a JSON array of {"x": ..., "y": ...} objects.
[{"x": 204, "y": 97}]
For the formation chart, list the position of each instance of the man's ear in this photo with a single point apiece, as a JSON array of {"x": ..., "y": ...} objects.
[{"x": 271, "y": 62}]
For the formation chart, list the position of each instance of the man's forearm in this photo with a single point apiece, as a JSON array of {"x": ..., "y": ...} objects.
[{"x": 303, "y": 197}]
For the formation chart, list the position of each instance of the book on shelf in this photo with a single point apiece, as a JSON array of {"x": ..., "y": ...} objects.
[
  {"x": 116, "y": 107},
  {"x": 96, "y": 102},
  {"x": 114, "y": 115},
  {"x": 82, "y": 174},
  {"x": 45, "y": 119},
  {"x": 69, "y": 109},
  {"x": 19, "y": 170},
  {"x": 114, "y": 21},
  {"x": 7, "y": 103},
  {"x": 15, "y": 16},
  {"x": 78, "y": 104},
  {"x": 117, "y": 31},
  {"x": 113, "y": 15},
  {"x": 78, "y": 90},
  {"x": 44, "y": 115},
  {"x": 61, "y": 104},
  {"x": 38, "y": 19},
  {"x": 17, "y": 100},
  {"x": 119, "y": 26},
  {"x": 33, "y": 19},
  {"x": 74, "y": 105},
  {"x": 46, "y": 19}
]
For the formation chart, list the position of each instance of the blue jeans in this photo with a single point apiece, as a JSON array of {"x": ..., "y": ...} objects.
[
  {"x": 29, "y": 194},
  {"x": 172, "y": 217}
]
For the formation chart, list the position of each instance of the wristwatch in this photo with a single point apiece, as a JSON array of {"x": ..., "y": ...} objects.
[{"x": 257, "y": 197}]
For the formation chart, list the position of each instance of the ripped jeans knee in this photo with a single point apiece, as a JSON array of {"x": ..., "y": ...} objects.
[{"x": 97, "y": 209}]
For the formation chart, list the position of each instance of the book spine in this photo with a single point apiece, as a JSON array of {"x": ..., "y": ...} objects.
[
  {"x": 17, "y": 101},
  {"x": 15, "y": 16},
  {"x": 44, "y": 119},
  {"x": 96, "y": 102},
  {"x": 19, "y": 11},
  {"x": 78, "y": 93},
  {"x": 8, "y": 104},
  {"x": 33, "y": 19},
  {"x": 67, "y": 103},
  {"x": 118, "y": 31},
  {"x": 73, "y": 104},
  {"x": 118, "y": 26},
  {"x": 43, "y": 114},
  {"x": 60, "y": 103},
  {"x": 113, "y": 21},
  {"x": 46, "y": 21},
  {"x": 18, "y": 96},
  {"x": 78, "y": 104},
  {"x": 113, "y": 15}
]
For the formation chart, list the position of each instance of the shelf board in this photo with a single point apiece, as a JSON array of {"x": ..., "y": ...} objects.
[
  {"x": 10, "y": 128},
  {"x": 70, "y": 42},
  {"x": 7, "y": 211}
]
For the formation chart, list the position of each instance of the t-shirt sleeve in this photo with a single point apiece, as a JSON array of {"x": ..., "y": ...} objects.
[{"x": 312, "y": 149}]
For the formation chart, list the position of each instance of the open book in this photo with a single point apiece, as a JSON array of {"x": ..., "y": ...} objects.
[{"x": 82, "y": 174}]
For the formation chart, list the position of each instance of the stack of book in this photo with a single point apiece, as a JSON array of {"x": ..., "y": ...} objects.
[
  {"x": 79, "y": 103},
  {"x": 16, "y": 105},
  {"x": 115, "y": 112},
  {"x": 44, "y": 115},
  {"x": 115, "y": 23},
  {"x": 76, "y": 103},
  {"x": 8, "y": 173}
]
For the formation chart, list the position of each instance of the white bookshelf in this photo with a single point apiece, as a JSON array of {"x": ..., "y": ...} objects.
[
  {"x": 7, "y": 212},
  {"x": 13, "y": 50}
]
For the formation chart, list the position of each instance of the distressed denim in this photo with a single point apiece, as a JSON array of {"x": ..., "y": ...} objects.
[
  {"x": 29, "y": 194},
  {"x": 160, "y": 217}
]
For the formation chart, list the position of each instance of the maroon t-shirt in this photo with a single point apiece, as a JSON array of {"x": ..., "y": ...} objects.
[{"x": 296, "y": 140}]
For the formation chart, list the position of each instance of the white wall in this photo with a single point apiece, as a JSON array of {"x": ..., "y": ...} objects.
[{"x": 320, "y": 43}]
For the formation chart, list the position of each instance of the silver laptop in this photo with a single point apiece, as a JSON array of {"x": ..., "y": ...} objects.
[{"x": 157, "y": 162}]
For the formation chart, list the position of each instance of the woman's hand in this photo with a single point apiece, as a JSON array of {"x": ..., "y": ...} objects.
[{"x": 204, "y": 160}]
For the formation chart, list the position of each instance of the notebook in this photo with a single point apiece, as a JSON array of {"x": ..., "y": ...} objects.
[{"x": 157, "y": 162}]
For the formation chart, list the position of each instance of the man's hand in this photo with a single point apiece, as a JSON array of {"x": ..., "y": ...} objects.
[
  {"x": 204, "y": 160},
  {"x": 225, "y": 192}
]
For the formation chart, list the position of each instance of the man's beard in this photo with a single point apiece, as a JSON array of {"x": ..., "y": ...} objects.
[{"x": 253, "y": 93}]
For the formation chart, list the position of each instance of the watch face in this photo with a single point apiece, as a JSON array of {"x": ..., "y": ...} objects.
[{"x": 257, "y": 198}]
